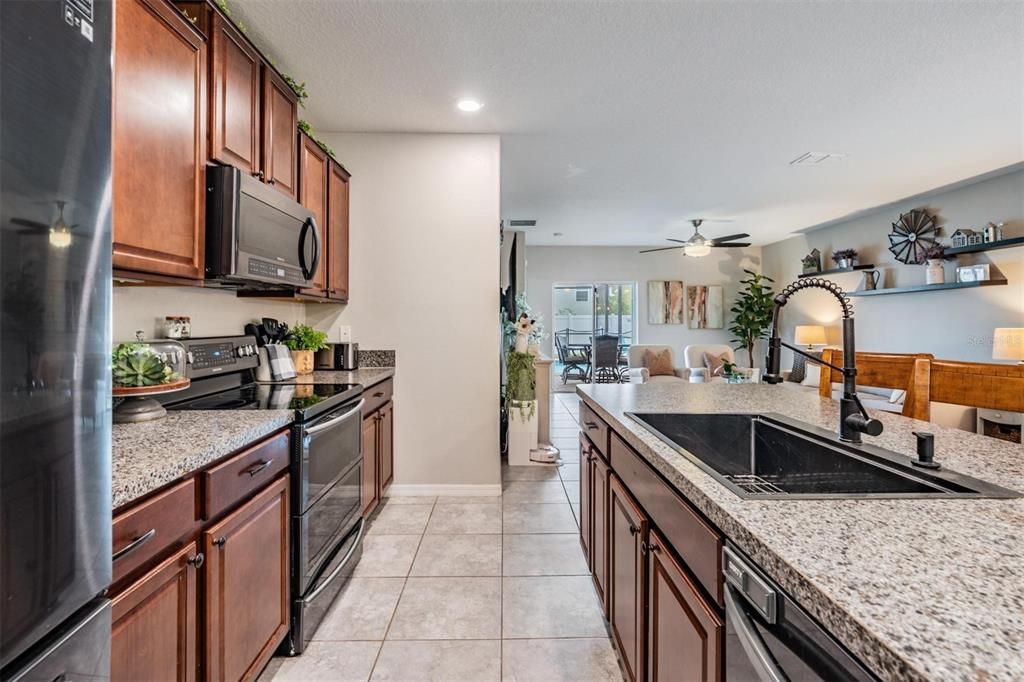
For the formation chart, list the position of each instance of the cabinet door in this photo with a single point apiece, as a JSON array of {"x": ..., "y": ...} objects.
[
  {"x": 280, "y": 109},
  {"x": 153, "y": 636},
  {"x": 599, "y": 524},
  {"x": 386, "y": 446},
  {"x": 247, "y": 585},
  {"x": 369, "y": 489},
  {"x": 337, "y": 233},
  {"x": 313, "y": 173},
  {"x": 628, "y": 526},
  {"x": 159, "y": 140},
  {"x": 685, "y": 635},
  {"x": 235, "y": 97},
  {"x": 586, "y": 506}
]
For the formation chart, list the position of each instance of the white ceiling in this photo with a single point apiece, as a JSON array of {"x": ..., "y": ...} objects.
[{"x": 620, "y": 120}]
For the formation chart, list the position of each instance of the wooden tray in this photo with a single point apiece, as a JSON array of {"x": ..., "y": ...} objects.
[{"x": 129, "y": 391}]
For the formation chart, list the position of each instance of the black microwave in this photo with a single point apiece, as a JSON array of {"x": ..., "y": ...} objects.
[{"x": 255, "y": 235}]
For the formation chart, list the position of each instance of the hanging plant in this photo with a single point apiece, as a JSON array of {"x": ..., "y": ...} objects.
[{"x": 521, "y": 386}]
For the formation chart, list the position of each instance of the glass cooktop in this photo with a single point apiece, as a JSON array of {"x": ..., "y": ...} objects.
[{"x": 305, "y": 399}]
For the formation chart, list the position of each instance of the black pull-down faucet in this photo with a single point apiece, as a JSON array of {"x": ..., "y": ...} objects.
[{"x": 853, "y": 418}]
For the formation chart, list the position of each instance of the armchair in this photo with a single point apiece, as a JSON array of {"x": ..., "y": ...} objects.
[{"x": 638, "y": 373}]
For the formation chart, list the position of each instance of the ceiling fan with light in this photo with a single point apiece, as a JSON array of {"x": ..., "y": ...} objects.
[{"x": 698, "y": 245}]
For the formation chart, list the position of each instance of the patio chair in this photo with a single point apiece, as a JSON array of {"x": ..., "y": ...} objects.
[
  {"x": 575, "y": 365},
  {"x": 606, "y": 360}
]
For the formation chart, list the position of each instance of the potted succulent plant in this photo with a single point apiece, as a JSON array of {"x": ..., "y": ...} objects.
[
  {"x": 845, "y": 258},
  {"x": 303, "y": 341},
  {"x": 935, "y": 272}
]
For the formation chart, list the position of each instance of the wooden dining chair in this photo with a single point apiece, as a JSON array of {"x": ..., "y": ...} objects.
[
  {"x": 909, "y": 372},
  {"x": 978, "y": 384}
]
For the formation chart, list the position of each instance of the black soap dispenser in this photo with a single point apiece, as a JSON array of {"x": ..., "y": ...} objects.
[{"x": 925, "y": 451}]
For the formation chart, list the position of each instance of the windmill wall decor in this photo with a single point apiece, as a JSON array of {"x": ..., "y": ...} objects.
[{"x": 912, "y": 235}]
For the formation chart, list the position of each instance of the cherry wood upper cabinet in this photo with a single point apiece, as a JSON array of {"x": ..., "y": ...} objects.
[
  {"x": 313, "y": 175},
  {"x": 159, "y": 140},
  {"x": 626, "y": 576},
  {"x": 337, "y": 232},
  {"x": 153, "y": 636},
  {"x": 235, "y": 97},
  {"x": 246, "y": 583},
  {"x": 685, "y": 635},
  {"x": 280, "y": 144}
]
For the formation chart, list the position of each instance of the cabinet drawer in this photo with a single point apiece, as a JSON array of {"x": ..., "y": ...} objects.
[
  {"x": 595, "y": 428},
  {"x": 699, "y": 545},
  {"x": 377, "y": 395},
  {"x": 147, "y": 529},
  {"x": 226, "y": 484}
]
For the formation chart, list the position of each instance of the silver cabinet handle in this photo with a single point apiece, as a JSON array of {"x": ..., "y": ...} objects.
[
  {"x": 762, "y": 660},
  {"x": 256, "y": 468},
  {"x": 134, "y": 544}
]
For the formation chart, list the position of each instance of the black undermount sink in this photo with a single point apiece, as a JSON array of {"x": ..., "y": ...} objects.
[{"x": 768, "y": 456}]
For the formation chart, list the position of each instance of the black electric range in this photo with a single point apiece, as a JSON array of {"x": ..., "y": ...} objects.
[{"x": 326, "y": 466}]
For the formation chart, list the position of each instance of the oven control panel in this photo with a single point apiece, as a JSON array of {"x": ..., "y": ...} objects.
[{"x": 209, "y": 356}]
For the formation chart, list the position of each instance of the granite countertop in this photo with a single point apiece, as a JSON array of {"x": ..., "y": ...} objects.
[
  {"x": 918, "y": 589},
  {"x": 150, "y": 455},
  {"x": 367, "y": 376}
]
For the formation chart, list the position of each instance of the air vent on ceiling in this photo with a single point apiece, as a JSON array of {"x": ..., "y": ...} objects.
[
  {"x": 814, "y": 158},
  {"x": 522, "y": 223}
]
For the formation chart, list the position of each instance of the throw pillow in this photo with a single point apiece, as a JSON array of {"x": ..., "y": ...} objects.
[
  {"x": 800, "y": 367},
  {"x": 659, "y": 363},
  {"x": 813, "y": 377},
  {"x": 715, "y": 364}
]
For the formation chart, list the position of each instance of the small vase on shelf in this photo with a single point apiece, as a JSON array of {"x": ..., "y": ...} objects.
[{"x": 935, "y": 272}]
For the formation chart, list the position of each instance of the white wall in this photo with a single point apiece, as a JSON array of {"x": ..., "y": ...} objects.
[
  {"x": 954, "y": 324},
  {"x": 214, "y": 312},
  {"x": 424, "y": 282},
  {"x": 547, "y": 265}
]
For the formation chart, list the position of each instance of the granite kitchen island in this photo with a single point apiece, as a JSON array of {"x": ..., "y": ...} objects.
[{"x": 918, "y": 589}]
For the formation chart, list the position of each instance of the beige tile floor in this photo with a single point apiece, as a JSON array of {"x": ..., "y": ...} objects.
[{"x": 481, "y": 589}]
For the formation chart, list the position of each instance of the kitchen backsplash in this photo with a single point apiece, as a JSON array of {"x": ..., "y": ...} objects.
[
  {"x": 214, "y": 312},
  {"x": 376, "y": 358}
]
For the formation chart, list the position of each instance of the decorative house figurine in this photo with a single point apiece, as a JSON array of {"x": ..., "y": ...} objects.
[
  {"x": 812, "y": 262},
  {"x": 993, "y": 232},
  {"x": 965, "y": 237}
]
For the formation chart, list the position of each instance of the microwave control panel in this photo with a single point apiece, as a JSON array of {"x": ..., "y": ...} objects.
[{"x": 275, "y": 271}]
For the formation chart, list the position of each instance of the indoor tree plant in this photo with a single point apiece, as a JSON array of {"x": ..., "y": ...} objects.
[
  {"x": 303, "y": 341},
  {"x": 753, "y": 312},
  {"x": 844, "y": 258}
]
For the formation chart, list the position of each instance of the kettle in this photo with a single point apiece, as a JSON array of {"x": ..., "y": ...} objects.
[{"x": 871, "y": 278}]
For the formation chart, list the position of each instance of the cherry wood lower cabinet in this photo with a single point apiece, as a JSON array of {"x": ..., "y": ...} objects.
[
  {"x": 685, "y": 635},
  {"x": 153, "y": 636},
  {"x": 378, "y": 455},
  {"x": 627, "y": 531},
  {"x": 247, "y": 585},
  {"x": 586, "y": 505},
  {"x": 600, "y": 480}
]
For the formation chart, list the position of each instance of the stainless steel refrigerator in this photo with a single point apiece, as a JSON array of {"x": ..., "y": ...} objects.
[{"x": 55, "y": 413}]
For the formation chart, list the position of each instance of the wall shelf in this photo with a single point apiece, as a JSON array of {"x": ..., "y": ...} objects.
[
  {"x": 834, "y": 271},
  {"x": 928, "y": 287},
  {"x": 991, "y": 246}
]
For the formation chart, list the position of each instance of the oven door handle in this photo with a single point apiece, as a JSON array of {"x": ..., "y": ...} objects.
[
  {"x": 334, "y": 421},
  {"x": 337, "y": 570},
  {"x": 753, "y": 645}
]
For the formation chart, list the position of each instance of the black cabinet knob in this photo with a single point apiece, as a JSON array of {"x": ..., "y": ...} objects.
[
  {"x": 219, "y": 542},
  {"x": 196, "y": 561}
]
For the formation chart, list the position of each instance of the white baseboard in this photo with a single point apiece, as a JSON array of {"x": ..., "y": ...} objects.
[{"x": 433, "y": 490}]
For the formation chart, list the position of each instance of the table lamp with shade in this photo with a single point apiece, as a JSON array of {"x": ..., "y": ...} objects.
[
  {"x": 810, "y": 335},
  {"x": 1008, "y": 344}
]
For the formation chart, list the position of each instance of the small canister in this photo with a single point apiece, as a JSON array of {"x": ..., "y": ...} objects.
[{"x": 177, "y": 327}]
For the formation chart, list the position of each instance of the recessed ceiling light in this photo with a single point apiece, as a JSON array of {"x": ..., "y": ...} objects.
[
  {"x": 556, "y": 234},
  {"x": 470, "y": 106}
]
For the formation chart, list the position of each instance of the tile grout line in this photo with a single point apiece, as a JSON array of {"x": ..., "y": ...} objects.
[{"x": 405, "y": 581}]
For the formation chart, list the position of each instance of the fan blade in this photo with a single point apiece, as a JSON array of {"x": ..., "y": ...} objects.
[
  {"x": 730, "y": 245},
  {"x": 730, "y": 237},
  {"x": 678, "y": 241},
  {"x": 30, "y": 223},
  {"x": 665, "y": 248}
]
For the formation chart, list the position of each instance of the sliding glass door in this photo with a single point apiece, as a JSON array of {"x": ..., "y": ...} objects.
[{"x": 585, "y": 311}]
